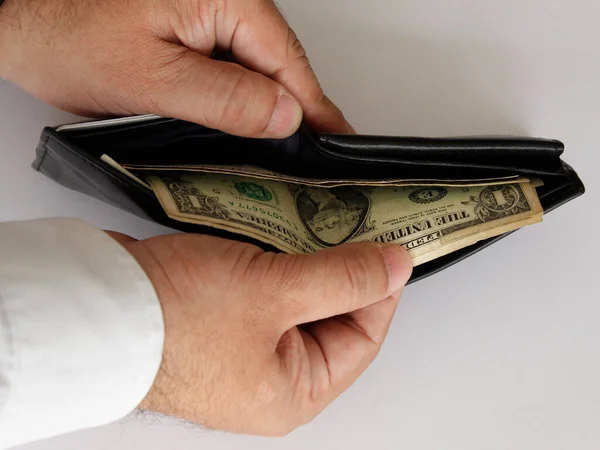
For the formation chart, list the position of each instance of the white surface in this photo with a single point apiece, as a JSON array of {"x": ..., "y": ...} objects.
[{"x": 499, "y": 352}]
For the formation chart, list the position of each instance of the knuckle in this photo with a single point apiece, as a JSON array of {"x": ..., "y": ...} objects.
[
  {"x": 295, "y": 47},
  {"x": 240, "y": 257},
  {"x": 241, "y": 105},
  {"x": 297, "y": 53},
  {"x": 236, "y": 94},
  {"x": 287, "y": 272},
  {"x": 356, "y": 272},
  {"x": 281, "y": 278}
]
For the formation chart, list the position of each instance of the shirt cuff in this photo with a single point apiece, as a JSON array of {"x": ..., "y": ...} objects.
[{"x": 81, "y": 330}]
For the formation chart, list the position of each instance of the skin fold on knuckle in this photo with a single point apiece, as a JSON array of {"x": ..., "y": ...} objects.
[
  {"x": 194, "y": 23},
  {"x": 295, "y": 56},
  {"x": 353, "y": 275},
  {"x": 298, "y": 57},
  {"x": 295, "y": 50}
]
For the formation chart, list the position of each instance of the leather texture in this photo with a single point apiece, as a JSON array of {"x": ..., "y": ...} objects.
[{"x": 71, "y": 156}]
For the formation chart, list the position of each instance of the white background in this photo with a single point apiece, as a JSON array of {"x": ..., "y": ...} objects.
[{"x": 499, "y": 352}]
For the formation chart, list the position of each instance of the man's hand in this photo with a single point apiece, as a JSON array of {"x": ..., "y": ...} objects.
[
  {"x": 255, "y": 342},
  {"x": 123, "y": 57},
  {"x": 260, "y": 343}
]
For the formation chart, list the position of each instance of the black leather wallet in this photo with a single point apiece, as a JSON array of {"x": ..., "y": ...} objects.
[{"x": 71, "y": 154}]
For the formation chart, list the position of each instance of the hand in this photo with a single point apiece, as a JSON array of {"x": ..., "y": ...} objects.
[
  {"x": 115, "y": 57},
  {"x": 260, "y": 343}
]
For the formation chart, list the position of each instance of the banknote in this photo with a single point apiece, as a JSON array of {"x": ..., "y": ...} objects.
[
  {"x": 429, "y": 221},
  {"x": 258, "y": 172}
]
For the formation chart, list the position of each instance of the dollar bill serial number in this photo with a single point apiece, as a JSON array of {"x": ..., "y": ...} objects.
[{"x": 264, "y": 212}]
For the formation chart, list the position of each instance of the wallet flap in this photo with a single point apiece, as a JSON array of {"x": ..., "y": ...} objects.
[{"x": 456, "y": 157}]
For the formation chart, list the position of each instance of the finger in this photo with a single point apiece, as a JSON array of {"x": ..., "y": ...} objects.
[
  {"x": 332, "y": 282},
  {"x": 224, "y": 96},
  {"x": 374, "y": 320},
  {"x": 262, "y": 40},
  {"x": 340, "y": 349}
]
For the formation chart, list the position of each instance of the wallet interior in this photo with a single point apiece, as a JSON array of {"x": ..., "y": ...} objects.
[{"x": 71, "y": 156}]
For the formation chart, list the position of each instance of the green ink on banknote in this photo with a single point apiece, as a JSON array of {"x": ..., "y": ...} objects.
[{"x": 254, "y": 191}]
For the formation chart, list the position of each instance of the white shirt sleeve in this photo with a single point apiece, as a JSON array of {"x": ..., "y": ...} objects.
[{"x": 81, "y": 330}]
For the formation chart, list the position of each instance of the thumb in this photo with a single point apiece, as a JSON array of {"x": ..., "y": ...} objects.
[
  {"x": 336, "y": 281},
  {"x": 225, "y": 96}
]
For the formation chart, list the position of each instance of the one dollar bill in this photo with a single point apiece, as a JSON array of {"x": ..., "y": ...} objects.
[{"x": 429, "y": 221}]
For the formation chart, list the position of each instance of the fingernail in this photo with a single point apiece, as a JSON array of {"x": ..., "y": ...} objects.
[
  {"x": 399, "y": 266},
  {"x": 286, "y": 117},
  {"x": 350, "y": 128}
]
